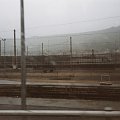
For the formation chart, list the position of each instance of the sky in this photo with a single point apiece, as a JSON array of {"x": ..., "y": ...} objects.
[{"x": 51, "y": 17}]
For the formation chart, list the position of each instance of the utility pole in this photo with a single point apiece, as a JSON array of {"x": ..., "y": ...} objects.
[
  {"x": 4, "y": 46},
  {"x": 0, "y": 47},
  {"x": 42, "y": 54},
  {"x": 71, "y": 52},
  {"x": 93, "y": 53},
  {"x": 4, "y": 52},
  {"x": 14, "y": 64},
  {"x": 27, "y": 50},
  {"x": 42, "y": 50},
  {"x": 71, "y": 47},
  {"x": 23, "y": 59}
]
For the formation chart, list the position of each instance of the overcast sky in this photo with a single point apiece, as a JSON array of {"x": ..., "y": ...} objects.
[{"x": 50, "y": 17}]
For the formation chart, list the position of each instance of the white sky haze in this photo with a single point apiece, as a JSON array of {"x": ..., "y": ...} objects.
[{"x": 49, "y": 17}]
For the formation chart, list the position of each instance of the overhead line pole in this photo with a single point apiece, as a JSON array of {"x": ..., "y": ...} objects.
[
  {"x": 42, "y": 54},
  {"x": 27, "y": 51},
  {"x": 23, "y": 59},
  {"x": 71, "y": 52},
  {"x": 14, "y": 64},
  {"x": 4, "y": 53},
  {"x": 71, "y": 47},
  {"x": 42, "y": 49},
  {"x": 0, "y": 47}
]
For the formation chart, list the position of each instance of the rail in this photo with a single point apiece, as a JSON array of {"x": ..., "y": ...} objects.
[{"x": 59, "y": 113}]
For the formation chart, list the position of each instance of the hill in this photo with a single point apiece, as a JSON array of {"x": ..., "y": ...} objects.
[{"x": 107, "y": 40}]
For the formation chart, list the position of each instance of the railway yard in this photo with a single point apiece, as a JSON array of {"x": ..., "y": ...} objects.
[
  {"x": 97, "y": 84},
  {"x": 86, "y": 82},
  {"x": 64, "y": 91},
  {"x": 60, "y": 60}
]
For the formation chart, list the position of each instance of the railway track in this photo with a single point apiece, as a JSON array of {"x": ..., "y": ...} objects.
[{"x": 64, "y": 92}]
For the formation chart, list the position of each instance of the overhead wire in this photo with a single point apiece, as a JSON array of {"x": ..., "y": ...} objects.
[
  {"x": 63, "y": 24},
  {"x": 76, "y": 22}
]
